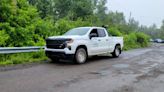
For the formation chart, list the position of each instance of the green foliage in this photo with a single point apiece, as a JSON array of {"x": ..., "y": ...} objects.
[
  {"x": 30, "y": 22},
  {"x": 101, "y": 10},
  {"x": 161, "y": 33},
  {"x": 21, "y": 24},
  {"x": 114, "y": 31},
  {"x": 45, "y": 7},
  {"x": 142, "y": 39},
  {"x": 115, "y": 18},
  {"x": 153, "y": 31},
  {"x": 22, "y": 58},
  {"x": 130, "y": 41},
  {"x": 42, "y": 30},
  {"x": 63, "y": 25},
  {"x": 3, "y": 37},
  {"x": 73, "y": 9},
  {"x": 135, "y": 40}
]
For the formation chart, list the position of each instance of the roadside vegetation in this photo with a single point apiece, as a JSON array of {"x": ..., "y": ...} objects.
[
  {"x": 22, "y": 58},
  {"x": 30, "y": 22}
]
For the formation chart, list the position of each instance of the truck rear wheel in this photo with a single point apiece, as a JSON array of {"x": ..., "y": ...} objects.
[
  {"x": 117, "y": 51},
  {"x": 80, "y": 56}
]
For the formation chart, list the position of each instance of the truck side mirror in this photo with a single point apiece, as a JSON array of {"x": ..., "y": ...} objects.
[{"x": 93, "y": 35}]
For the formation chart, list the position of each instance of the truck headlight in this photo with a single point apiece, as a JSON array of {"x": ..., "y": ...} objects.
[{"x": 69, "y": 41}]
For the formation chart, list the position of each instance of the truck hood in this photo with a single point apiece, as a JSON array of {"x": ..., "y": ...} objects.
[{"x": 65, "y": 37}]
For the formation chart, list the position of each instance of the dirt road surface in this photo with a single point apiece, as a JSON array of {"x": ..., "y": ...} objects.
[{"x": 139, "y": 70}]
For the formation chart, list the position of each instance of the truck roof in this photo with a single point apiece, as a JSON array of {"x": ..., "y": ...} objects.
[{"x": 89, "y": 27}]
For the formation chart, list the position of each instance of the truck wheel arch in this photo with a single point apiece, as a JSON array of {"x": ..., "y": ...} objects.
[
  {"x": 82, "y": 46},
  {"x": 117, "y": 51},
  {"x": 76, "y": 59},
  {"x": 120, "y": 47}
]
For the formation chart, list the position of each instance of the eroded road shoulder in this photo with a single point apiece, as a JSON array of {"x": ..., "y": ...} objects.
[{"x": 140, "y": 70}]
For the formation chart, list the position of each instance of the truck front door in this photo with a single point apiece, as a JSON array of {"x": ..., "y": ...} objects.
[
  {"x": 103, "y": 40},
  {"x": 94, "y": 43}
]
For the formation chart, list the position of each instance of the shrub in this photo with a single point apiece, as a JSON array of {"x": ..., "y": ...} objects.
[
  {"x": 3, "y": 38},
  {"x": 9, "y": 59},
  {"x": 142, "y": 39},
  {"x": 114, "y": 31},
  {"x": 130, "y": 41},
  {"x": 135, "y": 40},
  {"x": 63, "y": 25}
]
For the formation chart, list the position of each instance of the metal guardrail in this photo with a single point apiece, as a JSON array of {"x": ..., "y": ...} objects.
[{"x": 10, "y": 50}]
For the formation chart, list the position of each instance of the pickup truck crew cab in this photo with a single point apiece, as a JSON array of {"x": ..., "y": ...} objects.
[{"x": 80, "y": 43}]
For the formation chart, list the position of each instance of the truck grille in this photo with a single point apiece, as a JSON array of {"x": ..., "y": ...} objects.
[{"x": 56, "y": 43}]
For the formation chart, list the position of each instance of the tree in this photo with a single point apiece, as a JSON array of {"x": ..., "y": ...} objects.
[
  {"x": 162, "y": 26},
  {"x": 45, "y": 7},
  {"x": 115, "y": 18},
  {"x": 73, "y": 9},
  {"x": 82, "y": 8},
  {"x": 19, "y": 22},
  {"x": 162, "y": 30},
  {"x": 101, "y": 10},
  {"x": 133, "y": 24}
]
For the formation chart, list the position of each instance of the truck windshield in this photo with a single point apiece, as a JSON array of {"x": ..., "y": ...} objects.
[{"x": 77, "y": 31}]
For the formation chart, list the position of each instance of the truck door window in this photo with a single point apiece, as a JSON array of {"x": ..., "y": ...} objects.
[
  {"x": 94, "y": 31},
  {"x": 101, "y": 33}
]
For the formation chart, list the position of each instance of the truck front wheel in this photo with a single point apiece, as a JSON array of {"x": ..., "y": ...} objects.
[{"x": 80, "y": 56}]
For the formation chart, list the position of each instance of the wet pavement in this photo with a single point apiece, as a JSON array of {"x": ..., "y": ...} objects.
[{"x": 139, "y": 70}]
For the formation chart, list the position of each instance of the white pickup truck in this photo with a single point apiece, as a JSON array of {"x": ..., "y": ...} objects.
[{"x": 80, "y": 43}]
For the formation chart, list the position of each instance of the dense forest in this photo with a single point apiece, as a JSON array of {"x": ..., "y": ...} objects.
[{"x": 29, "y": 22}]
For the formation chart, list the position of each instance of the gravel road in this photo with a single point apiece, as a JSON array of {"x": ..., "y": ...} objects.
[{"x": 139, "y": 70}]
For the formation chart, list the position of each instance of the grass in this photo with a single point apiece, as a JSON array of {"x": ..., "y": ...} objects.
[{"x": 22, "y": 58}]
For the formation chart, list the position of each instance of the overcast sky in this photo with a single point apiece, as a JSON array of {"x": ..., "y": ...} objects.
[{"x": 146, "y": 12}]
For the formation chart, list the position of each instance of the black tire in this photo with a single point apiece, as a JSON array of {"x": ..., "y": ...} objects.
[
  {"x": 80, "y": 56},
  {"x": 117, "y": 51}
]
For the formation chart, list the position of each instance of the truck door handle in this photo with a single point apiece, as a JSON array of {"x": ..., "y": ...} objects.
[
  {"x": 106, "y": 39},
  {"x": 99, "y": 40}
]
